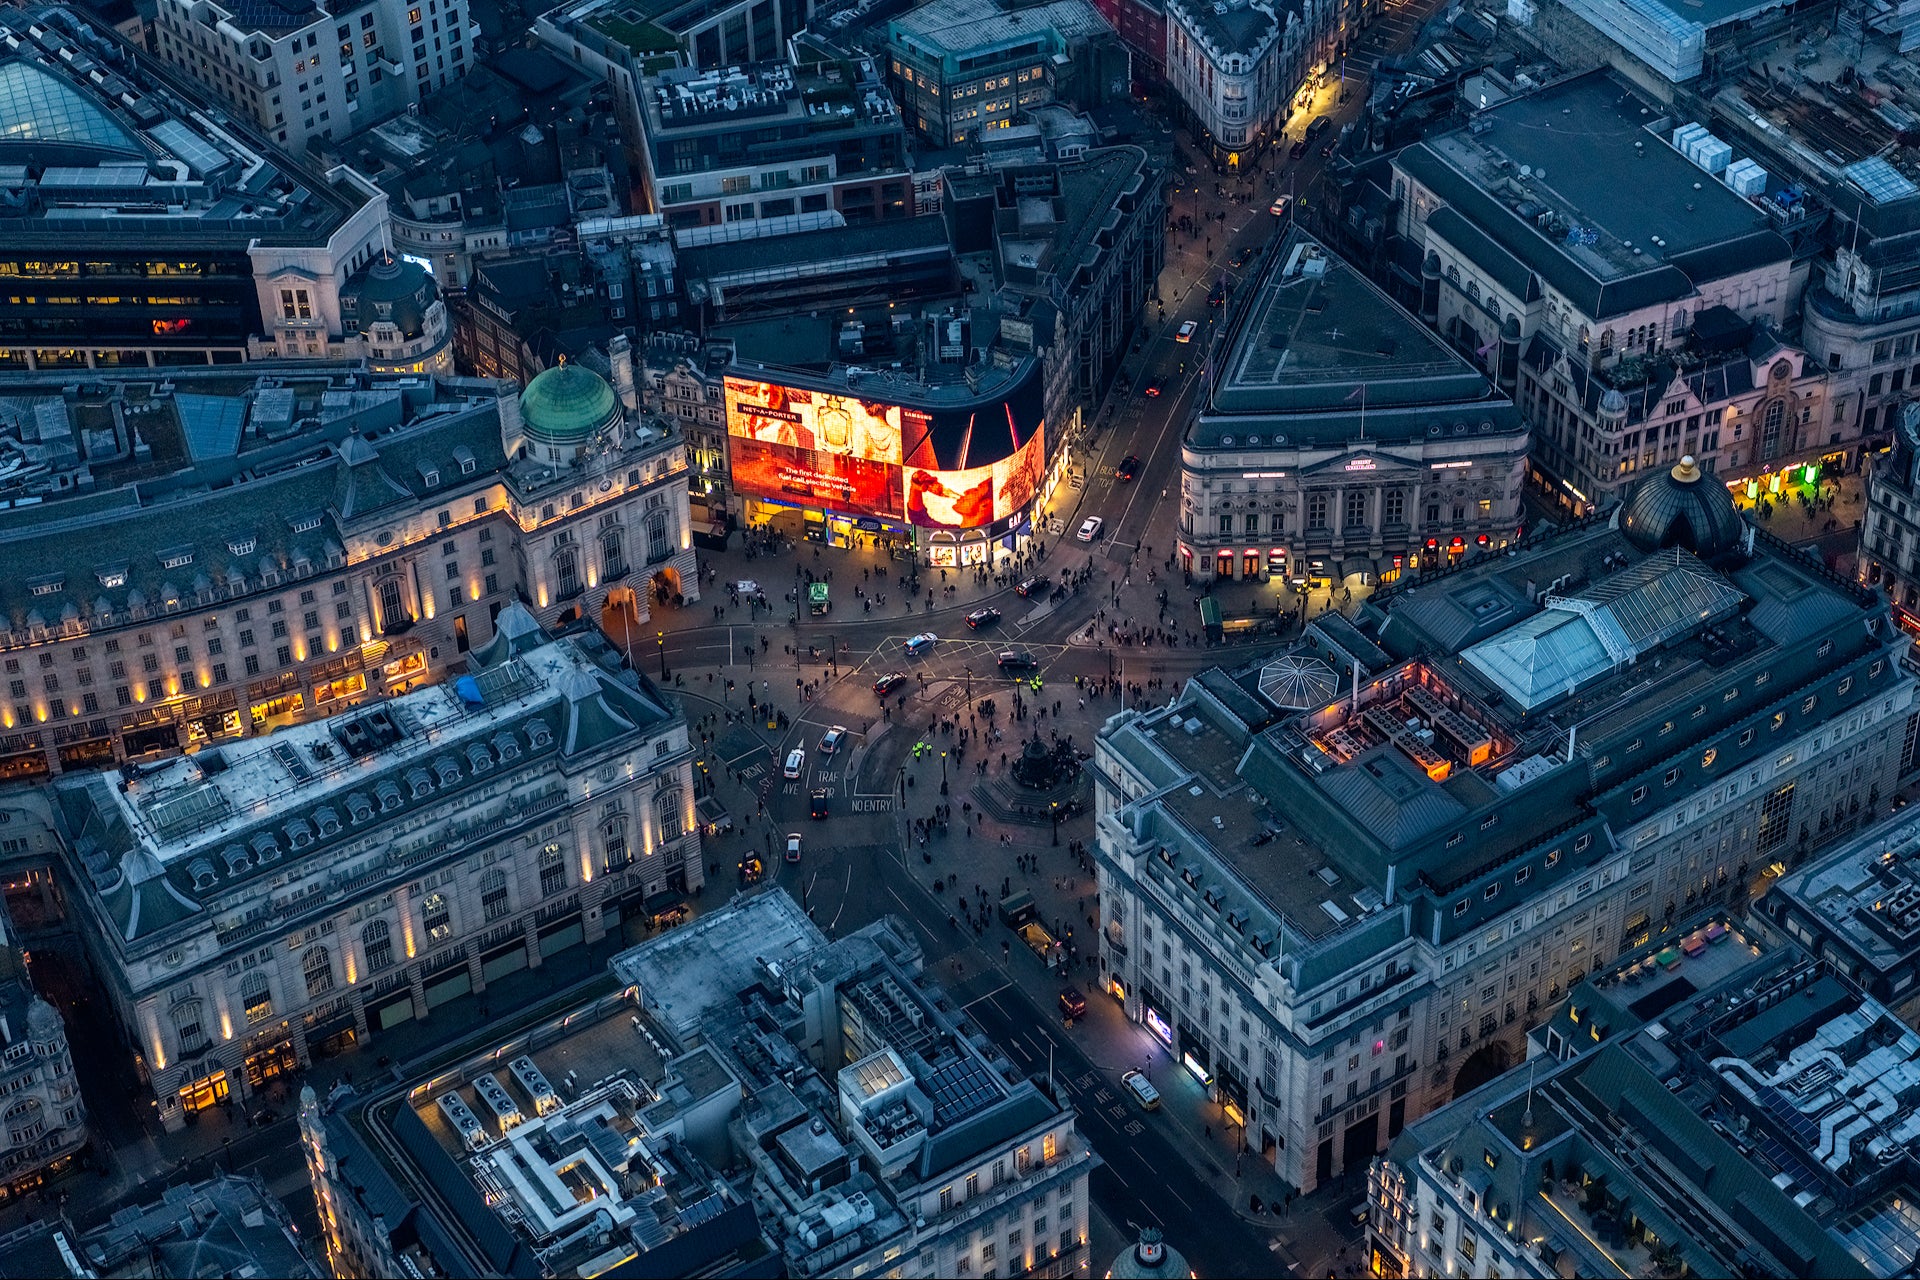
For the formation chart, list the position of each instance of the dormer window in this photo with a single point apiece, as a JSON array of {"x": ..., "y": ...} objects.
[
  {"x": 52, "y": 585},
  {"x": 242, "y": 546},
  {"x": 306, "y": 523},
  {"x": 429, "y": 474},
  {"x": 112, "y": 579},
  {"x": 464, "y": 456},
  {"x": 178, "y": 558}
]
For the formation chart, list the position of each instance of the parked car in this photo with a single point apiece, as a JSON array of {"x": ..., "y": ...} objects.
[
  {"x": 1090, "y": 528},
  {"x": 1297, "y": 150},
  {"x": 1319, "y": 126},
  {"x": 917, "y": 645},
  {"x": 983, "y": 618},
  {"x": 793, "y": 846},
  {"x": 796, "y": 762},
  {"x": 830, "y": 740},
  {"x": 1187, "y": 329}
]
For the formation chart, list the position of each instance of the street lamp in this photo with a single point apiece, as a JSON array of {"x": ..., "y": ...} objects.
[
  {"x": 660, "y": 638},
  {"x": 1054, "y": 805},
  {"x": 969, "y": 671},
  {"x": 943, "y": 773}
]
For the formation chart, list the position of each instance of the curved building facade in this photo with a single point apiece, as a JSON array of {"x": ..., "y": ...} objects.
[{"x": 955, "y": 470}]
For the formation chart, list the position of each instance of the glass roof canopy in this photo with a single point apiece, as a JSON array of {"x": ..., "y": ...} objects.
[
  {"x": 1576, "y": 640},
  {"x": 37, "y": 106}
]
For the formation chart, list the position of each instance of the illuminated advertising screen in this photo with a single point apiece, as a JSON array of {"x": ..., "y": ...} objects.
[
  {"x": 808, "y": 476},
  {"x": 776, "y": 414},
  {"x": 944, "y": 469}
]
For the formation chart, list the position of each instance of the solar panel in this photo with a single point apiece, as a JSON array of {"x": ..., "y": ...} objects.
[{"x": 1879, "y": 181}]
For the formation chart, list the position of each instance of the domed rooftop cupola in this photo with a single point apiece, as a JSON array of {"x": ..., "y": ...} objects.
[
  {"x": 563, "y": 409},
  {"x": 1685, "y": 507}
]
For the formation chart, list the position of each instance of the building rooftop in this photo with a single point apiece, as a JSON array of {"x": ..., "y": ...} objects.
[
  {"x": 576, "y": 1146},
  {"x": 685, "y": 974},
  {"x": 825, "y": 99},
  {"x": 1866, "y": 892},
  {"x": 1717, "y": 1125},
  {"x": 1237, "y": 26},
  {"x": 95, "y": 142},
  {"x": 972, "y": 28},
  {"x": 176, "y": 839},
  {"x": 131, "y": 492},
  {"x": 1631, "y": 223},
  {"x": 1314, "y": 345},
  {"x": 225, "y": 1226}
]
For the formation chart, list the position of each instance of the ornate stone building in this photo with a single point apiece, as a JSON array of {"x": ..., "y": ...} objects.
[
  {"x": 322, "y": 535},
  {"x": 257, "y": 902},
  {"x": 43, "y": 1121}
]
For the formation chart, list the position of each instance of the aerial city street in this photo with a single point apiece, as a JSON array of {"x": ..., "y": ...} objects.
[{"x": 959, "y": 638}]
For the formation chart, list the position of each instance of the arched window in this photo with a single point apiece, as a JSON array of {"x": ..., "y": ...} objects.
[
  {"x": 256, "y": 999},
  {"x": 566, "y": 572},
  {"x": 613, "y": 838},
  {"x": 317, "y": 967},
  {"x": 1606, "y": 341},
  {"x": 553, "y": 870},
  {"x": 613, "y": 555},
  {"x": 189, "y": 1032},
  {"x": 667, "y": 810},
  {"x": 1771, "y": 423},
  {"x": 376, "y": 945},
  {"x": 493, "y": 894}
]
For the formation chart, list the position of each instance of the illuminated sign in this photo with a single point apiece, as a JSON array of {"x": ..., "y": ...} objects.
[
  {"x": 961, "y": 469},
  {"x": 1200, "y": 1073},
  {"x": 1263, "y": 475},
  {"x": 1360, "y": 464},
  {"x": 1158, "y": 1025},
  {"x": 1451, "y": 466}
]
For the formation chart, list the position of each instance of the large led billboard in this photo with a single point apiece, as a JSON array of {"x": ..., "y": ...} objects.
[{"x": 961, "y": 468}]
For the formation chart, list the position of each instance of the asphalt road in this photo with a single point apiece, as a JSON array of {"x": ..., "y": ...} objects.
[{"x": 1143, "y": 1180}]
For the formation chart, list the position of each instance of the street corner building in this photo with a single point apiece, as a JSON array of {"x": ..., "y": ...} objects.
[
  {"x": 213, "y": 557},
  {"x": 260, "y": 902},
  {"x": 1338, "y": 887},
  {"x": 1339, "y": 441},
  {"x": 1762, "y": 1124},
  {"x": 749, "y": 1099},
  {"x": 43, "y": 1119}
]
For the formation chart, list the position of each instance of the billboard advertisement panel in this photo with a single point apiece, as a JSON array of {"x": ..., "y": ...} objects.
[
  {"x": 839, "y": 481},
  {"x": 825, "y": 423},
  {"x": 960, "y": 468}
]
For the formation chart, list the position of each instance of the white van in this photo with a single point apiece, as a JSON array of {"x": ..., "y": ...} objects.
[{"x": 1142, "y": 1090}]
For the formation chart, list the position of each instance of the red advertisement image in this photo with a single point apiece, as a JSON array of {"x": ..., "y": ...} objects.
[
  {"x": 837, "y": 482},
  {"x": 1017, "y": 480},
  {"x": 950, "y": 499}
]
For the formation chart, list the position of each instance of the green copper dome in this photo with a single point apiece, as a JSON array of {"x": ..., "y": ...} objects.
[{"x": 566, "y": 405}]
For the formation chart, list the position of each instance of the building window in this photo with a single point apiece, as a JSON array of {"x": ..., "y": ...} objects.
[
  {"x": 657, "y": 548},
  {"x": 189, "y": 1032},
  {"x": 1356, "y": 513},
  {"x": 317, "y": 967},
  {"x": 376, "y": 944},
  {"x": 566, "y": 571},
  {"x": 493, "y": 894},
  {"x": 437, "y": 916},
  {"x": 613, "y": 555},
  {"x": 553, "y": 870},
  {"x": 667, "y": 809},
  {"x": 614, "y": 838},
  {"x": 255, "y": 999},
  {"x": 1316, "y": 511}
]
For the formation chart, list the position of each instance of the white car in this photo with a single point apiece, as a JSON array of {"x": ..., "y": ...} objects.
[
  {"x": 747, "y": 587},
  {"x": 920, "y": 644},
  {"x": 1279, "y": 207},
  {"x": 1187, "y": 329},
  {"x": 796, "y": 762},
  {"x": 793, "y": 846},
  {"x": 1090, "y": 528},
  {"x": 830, "y": 740}
]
